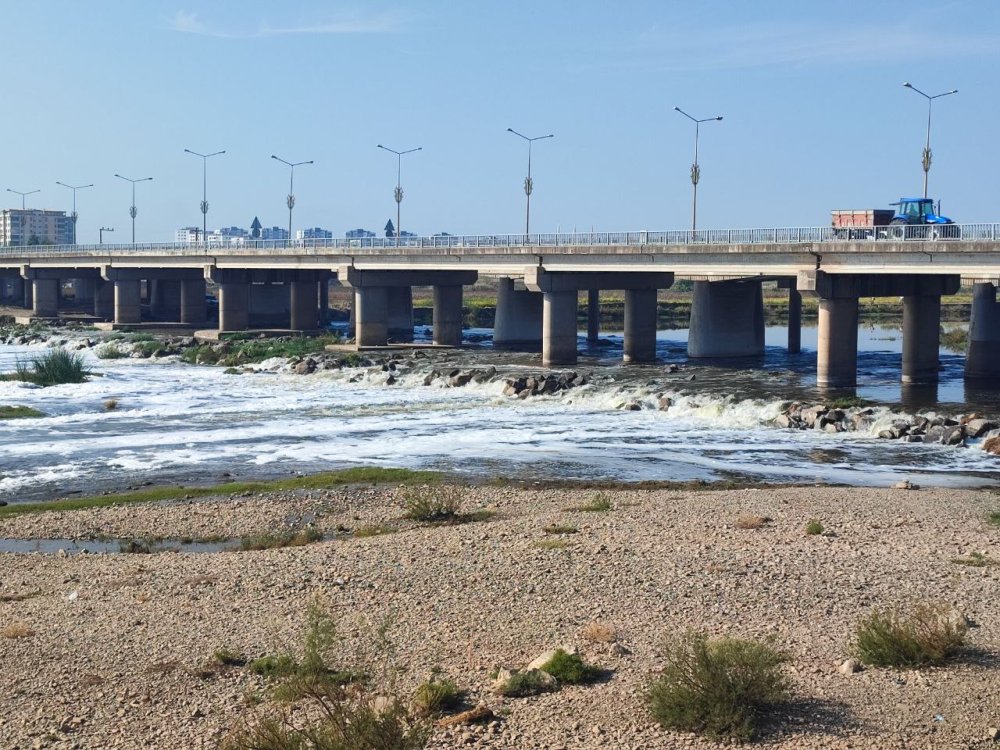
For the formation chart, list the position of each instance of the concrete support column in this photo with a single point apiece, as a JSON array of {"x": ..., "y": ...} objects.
[
  {"x": 324, "y": 300},
  {"x": 837, "y": 347},
  {"x": 234, "y": 306},
  {"x": 594, "y": 314},
  {"x": 29, "y": 295},
  {"x": 104, "y": 300},
  {"x": 727, "y": 319},
  {"x": 192, "y": 301},
  {"x": 128, "y": 302},
  {"x": 400, "y": 302},
  {"x": 448, "y": 315},
  {"x": 982, "y": 356},
  {"x": 83, "y": 291},
  {"x": 921, "y": 338},
  {"x": 518, "y": 318},
  {"x": 794, "y": 321},
  {"x": 371, "y": 316},
  {"x": 304, "y": 309},
  {"x": 269, "y": 304},
  {"x": 165, "y": 303},
  {"x": 559, "y": 328},
  {"x": 45, "y": 298},
  {"x": 17, "y": 290},
  {"x": 640, "y": 325}
]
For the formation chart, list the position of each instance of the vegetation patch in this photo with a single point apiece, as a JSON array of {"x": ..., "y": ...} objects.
[
  {"x": 144, "y": 546},
  {"x": 993, "y": 519},
  {"x": 55, "y": 367},
  {"x": 432, "y": 504},
  {"x": 599, "y": 632},
  {"x": 955, "y": 339},
  {"x": 20, "y": 597},
  {"x": 229, "y": 658},
  {"x": 363, "y": 532},
  {"x": 291, "y": 538},
  {"x": 111, "y": 350},
  {"x": 16, "y": 630},
  {"x": 570, "y": 669},
  {"x": 752, "y": 522},
  {"x": 599, "y": 503},
  {"x": 357, "y": 475},
  {"x": 526, "y": 683},
  {"x": 437, "y": 695},
  {"x": 925, "y": 635},
  {"x": 19, "y": 412},
  {"x": 849, "y": 402},
  {"x": 111, "y": 404},
  {"x": 975, "y": 560},
  {"x": 555, "y": 528},
  {"x": 722, "y": 688},
  {"x": 814, "y": 527}
]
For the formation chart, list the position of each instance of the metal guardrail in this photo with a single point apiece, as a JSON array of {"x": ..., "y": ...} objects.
[{"x": 720, "y": 237}]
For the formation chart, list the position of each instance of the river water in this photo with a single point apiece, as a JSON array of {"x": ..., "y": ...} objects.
[{"x": 179, "y": 423}]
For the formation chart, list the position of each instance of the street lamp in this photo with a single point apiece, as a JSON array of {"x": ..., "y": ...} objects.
[
  {"x": 291, "y": 192},
  {"x": 927, "y": 147},
  {"x": 73, "y": 215},
  {"x": 101, "y": 232},
  {"x": 204, "y": 189},
  {"x": 528, "y": 184},
  {"x": 132, "y": 210},
  {"x": 398, "y": 194},
  {"x": 18, "y": 192},
  {"x": 695, "y": 169}
]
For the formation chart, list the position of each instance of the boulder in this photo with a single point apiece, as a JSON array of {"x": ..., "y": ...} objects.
[
  {"x": 992, "y": 445},
  {"x": 849, "y": 667},
  {"x": 953, "y": 435},
  {"x": 976, "y": 428},
  {"x": 306, "y": 366},
  {"x": 664, "y": 403},
  {"x": 457, "y": 381}
]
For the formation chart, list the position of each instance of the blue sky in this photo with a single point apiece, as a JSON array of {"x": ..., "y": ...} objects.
[{"x": 816, "y": 116}]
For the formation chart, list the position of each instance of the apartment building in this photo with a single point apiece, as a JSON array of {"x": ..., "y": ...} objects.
[{"x": 36, "y": 226}]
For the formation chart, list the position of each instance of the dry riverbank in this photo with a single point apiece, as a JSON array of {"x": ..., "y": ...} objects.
[{"x": 118, "y": 644}]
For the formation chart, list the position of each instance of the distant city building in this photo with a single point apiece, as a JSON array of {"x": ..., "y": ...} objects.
[
  {"x": 35, "y": 226},
  {"x": 358, "y": 234},
  {"x": 217, "y": 237},
  {"x": 313, "y": 234},
  {"x": 273, "y": 233}
]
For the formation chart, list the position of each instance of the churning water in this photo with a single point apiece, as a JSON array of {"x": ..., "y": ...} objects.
[{"x": 182, "y": 423}]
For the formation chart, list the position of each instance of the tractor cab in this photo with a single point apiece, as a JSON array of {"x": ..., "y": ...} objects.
[{"x": 917, "y": 211}]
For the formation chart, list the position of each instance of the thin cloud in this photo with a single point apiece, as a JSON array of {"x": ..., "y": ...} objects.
[{"x": 191, "y": 23}]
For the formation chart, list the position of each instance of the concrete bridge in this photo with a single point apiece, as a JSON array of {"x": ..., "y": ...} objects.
[{"x": 540, "y": 279}]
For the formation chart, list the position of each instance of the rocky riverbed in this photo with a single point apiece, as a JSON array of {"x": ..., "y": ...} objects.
[{"x": 111, "y": 651}]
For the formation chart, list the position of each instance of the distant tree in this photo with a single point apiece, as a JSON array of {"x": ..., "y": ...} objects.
[{"x": 35, "y": 240}]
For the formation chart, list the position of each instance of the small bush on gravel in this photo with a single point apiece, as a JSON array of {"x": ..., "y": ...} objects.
[
  {"x": 993, "y": 519},
  {"x": 599, "y": 632},
  {"x": 814, "y": 527},
  {"x": 597, "y": 504},
  {"x": 270, "y": 540},
  {"x": 752, "y": 522},
  {"x": 432, "y": 504},
  {"x": 927, "y": 634},
  {"x": 363, "y": 532},
  {"x": 554, "y": 528},
  {"x": 524, "y": 684},
  {"x": 570, "y": 669},
  {"x": 720, "y": 688},
  {"x": 551, "y": 544},
  {"x": 437, "y": 695},
  {"x": 229, "y": 658},
  {"x": 17, "y": 630},
  {"x": 975, "y": 560}
]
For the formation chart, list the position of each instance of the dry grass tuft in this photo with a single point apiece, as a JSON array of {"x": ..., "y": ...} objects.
[
  {"x": 925, "y": 634},
  {"x": 752, "y": 522},
  {"x": 599, "y": 632},
  {"x": 16, "y": 630}
]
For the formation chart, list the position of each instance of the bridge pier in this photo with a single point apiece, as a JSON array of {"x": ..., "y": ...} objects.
[
  {"x": 593, "y": 315},
  {"x": 518, "y": 319},
  {"x": 371, "y": 316},
  {"x": 304, "y": 306},
  {"x": 982, "y": 355},
  {"x": 104, "y": 300},
  {"x": 83, "y": 291},
  {"x": 165, "y": 300},
  {"x": 268, "y": 305},
  {"x": 192, "y": 302},
  {"x": 561, "y": 290},
  {"x": 400, "y": 320},
  {"x": 727, "y": 319},
  {"x": 45, "y": 298},
  {"x": 794, "y": 314},
  {"x": 448, "y": 317},
  {"x": 234, "y": 306},
  {"x": 921, "y": 338},
  {"x": 128, "y": 301},
  {"x": 837, "y": 344}
]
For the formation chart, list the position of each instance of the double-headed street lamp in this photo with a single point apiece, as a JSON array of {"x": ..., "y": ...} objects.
[
  {"x": 73, "y": 216},
  {"x": 695, "y": 169},
  {"x": 18, "y": 192},
  {"x": 528, "y": 184},
  {"x": 291, "y": 191},
  {"x": 927, "y": 148},
  {"x": 204, "y": 190},
  {"x": 132, "y": 210},
  {"x": 398, "y": 193}
]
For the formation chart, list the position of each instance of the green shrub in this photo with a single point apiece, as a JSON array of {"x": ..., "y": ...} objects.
[
  {"x": 597, "y": 504},
  {"x": 570, "y": 669},
  {"x": 721, "y": 688},
  {"x": 19, "y": 412},
  {"x": 524, "y": 684},
  {"x": 432, "y": 504},
  {"x": 363, "y": 532},
  {"x": 925, "y": 635},
  {"x": 229, "y": 657},
  {"x": 975, "y": 560},
  {"x": 55, "y": 367},
  {"x": 111, "y": 351},
  {"x": 437, "y": 695},
  {"x": 814, "y": 527},
  {"x": 993, "y": 519},
  {"x": 270, "y": 540}
]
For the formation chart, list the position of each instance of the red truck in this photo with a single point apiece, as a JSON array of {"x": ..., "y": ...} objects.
[{"x": 856, "y": 224}]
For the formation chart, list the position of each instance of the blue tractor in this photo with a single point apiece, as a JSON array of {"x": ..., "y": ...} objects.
[{"x": 920, "y": 219}]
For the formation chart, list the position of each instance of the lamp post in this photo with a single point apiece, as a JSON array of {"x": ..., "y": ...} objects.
[
  {"x": 132, "y": 210},
  {"x": 101, "y": 232},
  {"x": 73, "y": 215},
  {"x": 927, "y": 147},
  {"x": 398, "y": 193},
  {"x": 18, "y": 192},
  {"x": 291, "y": 192},
  {"x": 204, "y": 189},
  {"x": 528, "y": 184},
  {"x": 695, "y": 169}
]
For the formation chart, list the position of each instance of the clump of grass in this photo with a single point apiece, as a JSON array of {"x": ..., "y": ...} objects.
[
  {"x": 599, "y": 503},
  {"x": 19, "y": 412},
  {"x": 955, "y": 339},
  {"x": 993, "y": 519},
  {"x": 229, "y": 658},
  {"x": 570, "y": 669},
  {"x": 432, "y": 504},
  {"x": 599, "y": 632},
  {"x": 20, "y": 597},
  {"x": 16, "y": 630},
  {"x": 437, "y": 695},
  {"x": 111, "y": 404},
  {"x": 752, "y": 522},
  {"x": 721, "y": 688},
  {"x": 363, "y": 532},
  {"x": 925, "y": 635},
  {"x": 975, "y": 559},
  {"x": 526, "y": 683},
  {"x": 848, "y": 402},
  {"x": 814, "y": 527},
  {"x": 555, "y": 528},
  {"x": 55, "y": 367},
  {"x": 551, "y": 543},
  {"x": 274, "y": 666},
  {"x": 269, "y": 540},
  {"x": 136, "y": 546},
  {"x": 111, "y": 351}
]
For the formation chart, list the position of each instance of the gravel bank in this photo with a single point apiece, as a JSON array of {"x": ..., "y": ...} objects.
[{"x": 120, "y": 641}]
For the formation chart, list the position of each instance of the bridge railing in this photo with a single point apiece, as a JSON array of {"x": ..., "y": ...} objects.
[{"x": 641, "y": 239}]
